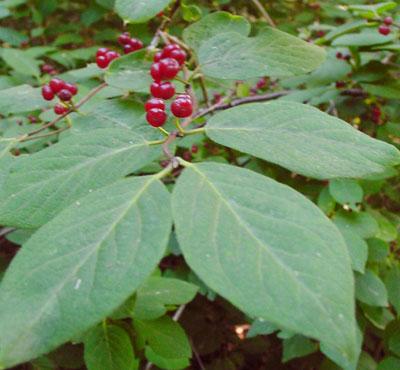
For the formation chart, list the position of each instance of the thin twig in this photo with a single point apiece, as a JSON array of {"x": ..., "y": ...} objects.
[
  {"x": 78, "y": 105},
  {"x": 264, "y": 13}
]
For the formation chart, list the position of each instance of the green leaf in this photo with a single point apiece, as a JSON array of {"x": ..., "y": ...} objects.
[
  {"x": 261, "y": 327},
  {"x": 166, "y": 363},
  {"x": 268, "y": 250},
  {"x": 389, "y": 363},
  {"x": 394, "y": 343},
  {"x": 139, "y": 11},
  {"x": 346, "y": 191},
  {"x": 360, "y": 223},
  {"x": 302, "y": 139},
  {"x": 392, "y": 282},
  {"x": 108, "y": 347},
  {"x": 272, "y": 52},
  {"x": 42, "y": 184},
  {"x": 96, "y": 254},
  {"x": 371, "y": 290},
  {"x": 358, "y": 249},
  {"x": 297, "y": 346},
  {"x": 21, "y": 62},
  {"x": 12, "y": 37},
  {"x": 213, "y": 24},
  {"x": 165, "y": 337},
  {"x": 367, "y": 37},
  {"x": 191, "y": 13},
  {"x": 157, "y": 292},
  {"x": 372, "y": 11},
  {"x": 130, "y": 72},
  {"x": 19, "y": 99}
]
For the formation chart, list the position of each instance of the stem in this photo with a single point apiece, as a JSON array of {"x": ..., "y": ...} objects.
[
  {"x": 264, "y": 13},
  {"x": 164, "y": 131},
  {"x": 195, "y": 131},
  {"x": 178, "y": 126}
]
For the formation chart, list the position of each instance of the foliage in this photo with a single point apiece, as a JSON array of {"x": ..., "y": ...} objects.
[{"x": 256, "y": 227}]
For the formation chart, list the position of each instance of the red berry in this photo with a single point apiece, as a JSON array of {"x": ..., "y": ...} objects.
[
  {"x": 217, "y": 98},
  {"x": 47, "y": 68},
  {"x": 182, "y": 107},
  {"x": 156, "y": 117},
  {"x": 72, "y": 88},
  {"x": 155, "y": 71},
  {"x": 168, "y": 49},
  {"x": 33, "y": 119},
  {"x": 339, "y": 55},
  {"x": 154, "y": 103},
  {"x": 60, "y": 109},
  {"x": 128, "y": 48},
  {"x": 57, "y": 85},
  {"x": 195, "y": 149},
  {"x": 340, "y": 84},
  {"x": 320, "y": 33},
  {"x": 179, "y": 55},
  {"x": 47, "y": 93},
  {"x": 102, "y": 52},
  {"x": 124, "y": 38},
  {"x": 262, "y": 83},
  {"x": 102, "y": 61},
  {"x": 384, "y": 30},
  {"x": 388, "y": 21},
  {"x": 157, "y": 56},
  {"x": 111, "y": 55},
  {"x": 136, "y": 44},
  {"x": 162, "y": 90},
  {"x": 169, "y": 68},
  {"x": 160, "y": 14},
  {"x": 65, "y": 95},
  {"x": 187, "y": 156}
]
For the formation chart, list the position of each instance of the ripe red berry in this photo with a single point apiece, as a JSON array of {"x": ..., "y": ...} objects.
[
  {"x": 168, "y": 49},
  {"x": 65, "y": 95},
  {"x": 60, "y": 109},
  {"x": 128, "y": 48},
  {"x": 154, "y": 103},
  {"x": 162, "y": 90},
  {"x": 340, "y": 84},
  {"x": 388, "y": 21},
  {"x": 157, "y": 56},
  {"x": 136, "y": 44},
  {"x": 156, "y": 117},
  {"x": 195, "y": 149},
  {"x": 182, "y": 107},
  {"x": 261, "y": 83},
  {"x": 47, "y": 93},
  {"x": 384, "y": 30},
  {"x": 124, "y": 38},
  {"x": 155, "y": 71},
  {"x": 57, "y": 85},
  {"x": 72, "y": 88},
  {"x": 111, "y": 55},
  {"x": 47, "y": 68},
  {"x": 179, "y": 55},
  {"x": 102, "y": 61},
  {"x": 169, "y": 68},
  {"x": 339, "y": 55},
  {"x": 102, "y": 52}
]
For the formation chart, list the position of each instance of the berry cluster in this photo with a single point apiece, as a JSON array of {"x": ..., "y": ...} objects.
[
  {"x": 384, "y": 28},
  {"x": 63, "y": 90},
  {"x": 105, "y": 56},
  {"x": 340, "y": 55},
  {"x": 166, "y": 66}
]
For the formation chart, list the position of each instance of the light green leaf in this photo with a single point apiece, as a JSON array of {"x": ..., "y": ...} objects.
[
  {"x": 268, "y": 250},
  {"x": 166, "y": 363},
  {"x": 360, "y": 223},
  {"x": 21, "y": 62},
  {"x": 108, "y": 347},
  {"x": 367, "y": 37},
  {"x": 358, "y": 249},
  {"x": 157, "y": 292},
  {"x": 302, "y": 139},
  {"x": 97, "y": 252},
  {"x": 371, "y": 290},
  {"x": 130, "y": 72},
  {"x": 41, "y": 185},
  {"x": 261, "y": 327},
  {"x": 297, "y": 346},
  {"x": 19, "y": 99},
  {"x": 12, "y": 37},
  {"x": 213, "y": 24},
  {"x": 346, "y": 191},
  {"x": 139, "y": 11},
  {"x": 372, "y": 11},
  {"x": 392, "y": 282},
  {"x": 165, "y": 337},
  {"x": 271, "y": 53}
]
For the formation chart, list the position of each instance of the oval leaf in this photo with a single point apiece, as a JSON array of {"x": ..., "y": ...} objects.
[
  {"x": 271, "y": 53},
  {"x": 302, "y": 139},
  {"x": 268, "y": 250},
  {"x": 97, "y": 252},
  {"x": 139, "y": 11},
  {"x": 41, "y": 185}
]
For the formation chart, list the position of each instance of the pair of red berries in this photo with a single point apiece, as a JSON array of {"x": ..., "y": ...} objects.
[
  {"x": 129, "y": 43},
  {"x": 384, "y": 29},
  {"x": 105, "y": 56},
  {"x": 64, "y": 91},
  {"x": 167, "y": 63},
  {"x": 156, "y": 116}
]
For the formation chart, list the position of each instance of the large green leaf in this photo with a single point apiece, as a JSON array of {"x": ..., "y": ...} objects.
[
  {"x": 302, "y": 139},
  {"x": 18, "y": 99},
  {"x": 139, "y": 11},
  {"x": 130, "y": 72},
  {"x": 41, "y": 185},
  {"x": 272, "y": 52},
  {"x": 108, "y": 347},
  {"x": 81, "y": 266},
  {"x": 21, "y": 62},
  {"x": 213, "y": 24},
  {"x": 268, "y": 250}
]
